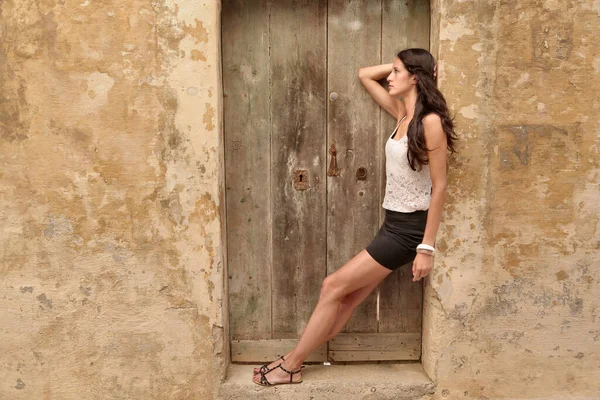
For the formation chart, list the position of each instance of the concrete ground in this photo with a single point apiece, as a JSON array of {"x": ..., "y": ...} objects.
[{"x": 340, "y": 382}]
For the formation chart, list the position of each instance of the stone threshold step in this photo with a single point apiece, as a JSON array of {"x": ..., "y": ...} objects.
[{"x": 339, "y": 382}]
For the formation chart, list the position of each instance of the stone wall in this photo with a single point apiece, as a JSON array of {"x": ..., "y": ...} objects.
[
  {"x": 111, "y": 168},
  {"x": 111, "y": 272},
  {"x": 512, "y": 306}
]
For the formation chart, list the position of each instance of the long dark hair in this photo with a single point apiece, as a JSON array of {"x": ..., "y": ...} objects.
[{"x": 421, "y": 63}]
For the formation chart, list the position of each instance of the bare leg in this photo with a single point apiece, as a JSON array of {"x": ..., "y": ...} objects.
[
  {"x": 349, "y": 304},
  {"x": 347, "y": 307},
  {"x": 357, "y": 273}
]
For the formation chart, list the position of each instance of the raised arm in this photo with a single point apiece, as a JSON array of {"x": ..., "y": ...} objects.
[{"x": 369, "y": 76}]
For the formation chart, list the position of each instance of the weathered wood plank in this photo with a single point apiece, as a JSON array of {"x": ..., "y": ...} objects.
[
  {"x": 354, "y": 32},
  {"x": 375, "y": 346},
  {"x": 405, "y": 25},
  {"x": 269, "y": 350},
  {"x": 246, "y": 130},
  {"x": 388, "y": 355},
  {"x": 374, "y": 341},
  {"x": 401, "y": 302},
  {"x": 298, "y": 110}
]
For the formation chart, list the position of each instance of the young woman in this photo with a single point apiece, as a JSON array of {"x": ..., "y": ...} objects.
[{"x": 414, "y": 200}]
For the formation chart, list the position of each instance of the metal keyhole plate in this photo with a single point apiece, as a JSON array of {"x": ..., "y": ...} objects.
[{"x": 300, "y": 180}]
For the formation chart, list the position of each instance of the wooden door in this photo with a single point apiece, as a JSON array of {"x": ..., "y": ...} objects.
[{"x": 291, "y": 98}]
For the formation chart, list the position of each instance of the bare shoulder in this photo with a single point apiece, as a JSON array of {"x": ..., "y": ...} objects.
[
  {"x": 432, "y": 120},
  {"x": 432, "y": 127}
]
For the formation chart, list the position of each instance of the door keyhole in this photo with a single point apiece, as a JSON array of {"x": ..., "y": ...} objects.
[
  {"x": 299, "y": 182},
  {"x": 361, "y": 174}
]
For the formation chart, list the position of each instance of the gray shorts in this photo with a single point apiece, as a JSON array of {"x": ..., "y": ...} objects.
[{"x": 396, "y": 242}]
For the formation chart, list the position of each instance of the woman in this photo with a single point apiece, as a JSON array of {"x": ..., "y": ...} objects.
[{"x": 414, "y": 201}]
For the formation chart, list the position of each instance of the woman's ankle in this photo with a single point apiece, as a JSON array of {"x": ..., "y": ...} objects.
[{"x": 292, "y": 363}]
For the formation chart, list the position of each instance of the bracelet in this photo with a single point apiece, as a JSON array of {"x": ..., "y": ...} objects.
[
  {"x": 426, "y": 247},
  {"x": 423, "y": 251}
]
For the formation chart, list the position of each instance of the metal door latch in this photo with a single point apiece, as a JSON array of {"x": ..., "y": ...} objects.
[{"x": 333, "y": 169}]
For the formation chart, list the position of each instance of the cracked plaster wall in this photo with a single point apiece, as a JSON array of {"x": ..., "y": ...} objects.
[
  {"x": 512, "y": 309},
  {"x": 112, "y": 245},
  {"x": 111, "y": 258}
]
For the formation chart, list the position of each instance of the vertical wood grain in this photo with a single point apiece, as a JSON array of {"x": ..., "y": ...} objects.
[
  {"x": 354, "y": 39},
  {"x": 298, "y": 109},
  {"x": 281, "y": 61},
  {"x": 246, "y": 126}
]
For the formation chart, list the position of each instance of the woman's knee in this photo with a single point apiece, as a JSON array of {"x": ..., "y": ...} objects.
[{"x": 332, "y": 287}]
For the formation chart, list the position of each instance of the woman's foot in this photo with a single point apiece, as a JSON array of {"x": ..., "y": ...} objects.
[
  {"x": 280, "y": 374},
  {"x": 266, "y": 367}
]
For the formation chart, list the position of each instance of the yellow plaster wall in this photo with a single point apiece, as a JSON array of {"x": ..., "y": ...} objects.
[
  {"x": 111, "y": 272},
  {"x": 513, "y": 307}
]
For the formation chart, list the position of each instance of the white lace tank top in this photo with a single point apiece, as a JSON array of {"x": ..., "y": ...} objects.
[{"x": 405, "y": 190}]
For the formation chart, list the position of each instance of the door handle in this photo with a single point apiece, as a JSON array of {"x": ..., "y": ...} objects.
[{"x": 333, "y": 169}]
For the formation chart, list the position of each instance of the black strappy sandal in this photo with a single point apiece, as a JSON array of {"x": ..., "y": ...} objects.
[
  {"x": 265, "y": 368},
  {"x": 265, "y": 382}
]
